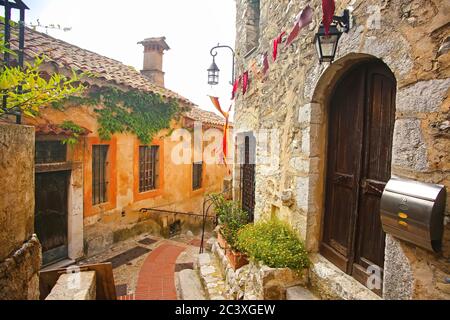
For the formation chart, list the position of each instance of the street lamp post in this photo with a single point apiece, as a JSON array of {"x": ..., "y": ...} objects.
[{"x": 213, "y": 70}]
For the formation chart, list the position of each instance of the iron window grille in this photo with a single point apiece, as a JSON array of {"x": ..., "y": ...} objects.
[
  {"x": 100, "y": 174},
  {"x": 50, "y": 152},
  {"x": 148, "y": 168},
  {"x": 197, "y": 172}
]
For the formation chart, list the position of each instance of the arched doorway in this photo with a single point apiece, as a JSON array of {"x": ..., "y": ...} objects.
[{"x": 360, "y": 129}]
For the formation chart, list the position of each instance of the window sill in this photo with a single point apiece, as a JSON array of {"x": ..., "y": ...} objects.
[{"x": 139, "y": 196}]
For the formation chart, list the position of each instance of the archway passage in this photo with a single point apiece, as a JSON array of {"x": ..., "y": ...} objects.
[{"x": 360, "y": 129}]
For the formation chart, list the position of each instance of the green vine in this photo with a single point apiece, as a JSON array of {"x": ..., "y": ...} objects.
[
  {"x": 76, "y": 132},
  {"x": 141, "y": 113}
]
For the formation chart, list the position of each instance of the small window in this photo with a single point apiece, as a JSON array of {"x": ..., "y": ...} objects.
[
  {"x": 148, "y": 168},
  {"x": 252, "y": 29},
  {"x": 50, "y": 152},
  {"x": 197, "y": 172},
  {"x": 99, "y": 174}
]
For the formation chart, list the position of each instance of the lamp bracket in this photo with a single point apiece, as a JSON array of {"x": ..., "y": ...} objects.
[
  {"x": 214, "y": 53},
  {"x": 343, "y": 21}
]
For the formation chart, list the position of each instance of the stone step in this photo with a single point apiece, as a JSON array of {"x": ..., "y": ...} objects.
[
  {"x": 190, "y": 286},
  {"x": 300, "y": 293},
  {"x": 211, "y": 277}
]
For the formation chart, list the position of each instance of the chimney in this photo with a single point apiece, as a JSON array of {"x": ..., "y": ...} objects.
[{"x": 153, "y": 59}]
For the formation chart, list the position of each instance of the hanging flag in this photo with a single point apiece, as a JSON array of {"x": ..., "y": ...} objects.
[
  {"x": 303, "y": 19},
  {"x": 236, "y": 84},
  {"x": 276, "y": 42},
  {"x": 226, "y": 115},
  {"x": 256, "y": 73},
  {"x": 265, "y": 64},
  {"x": 245, "y": 82},
  {"x": 328, "y": 9}
]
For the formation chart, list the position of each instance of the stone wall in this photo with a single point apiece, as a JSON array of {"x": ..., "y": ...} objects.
[
  {"x": 20, "y": 250},
  {"x": 413, "y": 40}
]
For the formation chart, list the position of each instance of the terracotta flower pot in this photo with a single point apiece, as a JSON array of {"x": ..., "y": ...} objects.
[
  {"x": 221, "y": 240},
  {"x": 237, "y": 259}
]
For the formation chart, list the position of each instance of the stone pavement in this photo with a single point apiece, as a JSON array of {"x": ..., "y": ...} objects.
[
  {"x": 153, "y": 275},
  {"x": 157, "y": 276}
]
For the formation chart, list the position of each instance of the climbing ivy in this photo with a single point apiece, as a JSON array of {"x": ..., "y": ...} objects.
[
  {"x": 141, "y": 113},
  {"x": 76, "y": 131}
]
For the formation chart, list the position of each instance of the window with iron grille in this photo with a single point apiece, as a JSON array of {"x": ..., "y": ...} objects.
[
  {"x": 50, "y": 152},
  {"x": 99, "y": 174},
  {"x": 148, "y": 168},
  {"x": 197, "y": 171}
]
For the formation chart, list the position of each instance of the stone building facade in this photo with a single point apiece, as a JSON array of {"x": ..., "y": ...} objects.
[{"x": 411, "y": 42}]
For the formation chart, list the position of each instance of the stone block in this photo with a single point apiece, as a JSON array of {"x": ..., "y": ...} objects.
[
  {"x": 190, "y": 285},
  {"x": 204, "y": 259},
  {"x": 409, "y": 148},
  {"x": 76, "y": 286},
  {"x": 299, "y": 293},
  {"x": 423, "y": 96}
]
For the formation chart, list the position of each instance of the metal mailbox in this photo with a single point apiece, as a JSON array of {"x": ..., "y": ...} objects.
[{"x": 414, "y": 212}]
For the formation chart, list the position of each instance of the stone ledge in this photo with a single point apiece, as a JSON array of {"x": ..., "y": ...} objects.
[
  {"x": 211, "y": 277},
  {"x": 76, "y": 286},
  {"x": 333, "y": 284}
]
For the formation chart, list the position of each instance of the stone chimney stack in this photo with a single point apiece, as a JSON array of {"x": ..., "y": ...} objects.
[{"x": 153, "y": 59}]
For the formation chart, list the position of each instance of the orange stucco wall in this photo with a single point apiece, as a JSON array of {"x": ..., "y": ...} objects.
[{"x": 122, "y": 211}]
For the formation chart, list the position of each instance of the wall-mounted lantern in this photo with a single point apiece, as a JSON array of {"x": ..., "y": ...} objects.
[
  {"x": 326, "y": 44},
  {"x": 213, "y": 70},
  {"x": 213, "y": 73}
]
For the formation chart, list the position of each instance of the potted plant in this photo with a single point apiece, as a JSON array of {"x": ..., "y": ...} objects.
[
  {"x": 274, "y": 243},
  {"x": 231, "y": 218}
]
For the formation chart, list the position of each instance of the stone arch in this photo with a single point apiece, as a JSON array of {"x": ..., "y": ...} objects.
[{"x": 317, "y": 114}]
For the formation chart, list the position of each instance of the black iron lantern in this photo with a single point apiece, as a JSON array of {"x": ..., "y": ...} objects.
[
  {"x": 213, "y": 73},
  {"x": 326, "y": 44}
]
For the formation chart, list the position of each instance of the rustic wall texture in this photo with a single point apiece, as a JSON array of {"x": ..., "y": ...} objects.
[
  {"x": 20, "y": 252},
  {"x": 413, "y": 40}
]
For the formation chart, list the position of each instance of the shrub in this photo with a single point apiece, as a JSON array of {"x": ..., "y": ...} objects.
[
  {"x": 274, "y": 243},
  {"x": 231, "y": 218}
]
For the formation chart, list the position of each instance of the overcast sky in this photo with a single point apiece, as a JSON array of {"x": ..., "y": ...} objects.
[{"x": 113, "y": 28}]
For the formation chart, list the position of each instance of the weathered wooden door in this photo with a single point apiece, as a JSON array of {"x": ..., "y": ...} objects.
[
  {"x": 248, "y": 175},
  {"x": 361, "y": 122},
  {"x": 51, "y": 214}
]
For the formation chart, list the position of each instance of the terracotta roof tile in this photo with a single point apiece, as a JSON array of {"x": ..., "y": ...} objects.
[
  {"x": 56, "y": 130},
  {"x": 69, "y": 56},
  {"x": 198, "y": 114}
]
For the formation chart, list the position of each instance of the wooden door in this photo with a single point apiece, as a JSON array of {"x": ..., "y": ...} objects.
[
  {"x": 51, "y": 214},
  {"x": 248, "y": 175},
  {"x": 362, "y": 115}
]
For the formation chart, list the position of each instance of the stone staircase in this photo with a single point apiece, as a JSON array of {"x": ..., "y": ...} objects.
[
  {"x": 211, "y": 277},
  {"x": 220, "y": 283}
]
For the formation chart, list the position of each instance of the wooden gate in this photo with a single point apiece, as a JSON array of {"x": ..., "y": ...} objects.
[
  {"x": 361, "y": 123},
  {"x": 51, "y": 214},
  {"x": 248, "y": 175}
]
